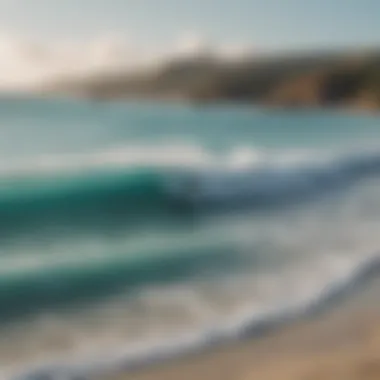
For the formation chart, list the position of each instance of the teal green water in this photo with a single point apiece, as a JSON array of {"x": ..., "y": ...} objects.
[{"x": 129, "y": 230}]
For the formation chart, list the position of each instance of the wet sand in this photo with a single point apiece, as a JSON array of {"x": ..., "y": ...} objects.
[{"x": 343, "y": 344}]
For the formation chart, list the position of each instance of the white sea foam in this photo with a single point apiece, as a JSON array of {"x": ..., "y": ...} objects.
[
  {"x": 177, "y": 155},
  {"x": 292, "y": 294},
  {"x": 180, "y": 318}
]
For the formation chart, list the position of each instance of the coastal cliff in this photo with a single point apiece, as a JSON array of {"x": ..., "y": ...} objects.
[{"x": 307, "y": 80}]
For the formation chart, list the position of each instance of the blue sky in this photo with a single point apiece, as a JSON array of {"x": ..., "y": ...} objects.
[{"x": 278, "y": 24}]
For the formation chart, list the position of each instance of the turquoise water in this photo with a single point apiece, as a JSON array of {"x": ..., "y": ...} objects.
[{"x": 130, "y": 232}]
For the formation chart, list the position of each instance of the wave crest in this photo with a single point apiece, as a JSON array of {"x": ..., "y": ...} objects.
[{"x": 150, "y": 181}]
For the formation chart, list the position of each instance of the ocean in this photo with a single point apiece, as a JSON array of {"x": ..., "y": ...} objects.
[{"x": 136, "y": 232}]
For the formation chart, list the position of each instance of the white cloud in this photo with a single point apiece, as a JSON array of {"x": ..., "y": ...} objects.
[
  {"x": 25, "y": 63},
  {"x": 192, "y": 44}
]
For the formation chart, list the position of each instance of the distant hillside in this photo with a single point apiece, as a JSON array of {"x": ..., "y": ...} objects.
[{"x": 323, "y": 79}]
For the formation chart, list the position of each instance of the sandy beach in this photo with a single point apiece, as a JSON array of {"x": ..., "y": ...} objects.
[{"x": 344, "y": 344}]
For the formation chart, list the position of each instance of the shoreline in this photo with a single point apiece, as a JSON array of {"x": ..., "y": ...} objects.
[
  {"x": 309, "y": 330},
  {"x": 330, "y": 323},
  {"x": 343, "y": 344}
]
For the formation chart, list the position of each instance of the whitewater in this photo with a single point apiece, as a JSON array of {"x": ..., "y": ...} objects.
[{"x": 132, "y": 233}]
